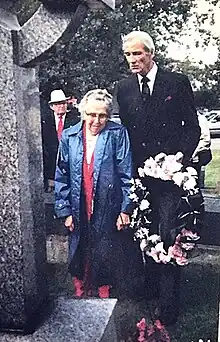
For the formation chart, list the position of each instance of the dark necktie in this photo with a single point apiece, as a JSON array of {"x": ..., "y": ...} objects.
[{"x": 145, "y": 88}]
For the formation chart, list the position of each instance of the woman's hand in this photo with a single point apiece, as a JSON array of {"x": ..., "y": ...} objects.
[
  {"x": 50, "y": 185},
  {"x": 69, "y": 223},
  {"x": 122, "y": 221}
]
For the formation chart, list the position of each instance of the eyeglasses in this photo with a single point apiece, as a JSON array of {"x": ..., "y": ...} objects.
[{"x": 100, "y": 116}]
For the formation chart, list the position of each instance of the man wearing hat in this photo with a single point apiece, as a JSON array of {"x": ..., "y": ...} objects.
[{"x": 52, "y": 127}]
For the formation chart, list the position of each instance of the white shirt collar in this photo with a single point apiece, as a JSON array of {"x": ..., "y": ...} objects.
[{"x": 151, "y": 75}]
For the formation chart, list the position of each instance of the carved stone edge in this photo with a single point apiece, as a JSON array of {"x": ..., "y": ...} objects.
[{"x": 28, "y": 51}]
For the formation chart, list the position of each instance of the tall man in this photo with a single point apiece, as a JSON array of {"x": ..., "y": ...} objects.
[
  {"x": 157, "y": 107},
  {"x": 52, "y": 127}
]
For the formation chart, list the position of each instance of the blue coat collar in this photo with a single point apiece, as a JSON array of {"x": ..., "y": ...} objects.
[
  {"x": 78, "y": 127},
  {"x": 100, "y": 144}
]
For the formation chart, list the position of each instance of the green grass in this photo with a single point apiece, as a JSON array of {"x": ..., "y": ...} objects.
[{"x": 212, "y": 170}]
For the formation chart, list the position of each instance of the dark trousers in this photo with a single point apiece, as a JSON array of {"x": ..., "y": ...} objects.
[
  {"x": 163, "y": 281},
  {"x": 169, "y": 296},
  {"x": 165, "y": 202}
]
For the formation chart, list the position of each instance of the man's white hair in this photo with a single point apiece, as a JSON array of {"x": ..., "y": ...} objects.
[
  {"x": 101, "y": 95},
  {"x": 143, "y": 37}
]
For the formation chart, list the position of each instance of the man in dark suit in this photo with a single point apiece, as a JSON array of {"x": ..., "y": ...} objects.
[
  {"x": 52, "y": 126},
  {"x": 157, "y": 107}
]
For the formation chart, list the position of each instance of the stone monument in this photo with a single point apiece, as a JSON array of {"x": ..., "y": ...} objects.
[{"x": 23, "y": 278}]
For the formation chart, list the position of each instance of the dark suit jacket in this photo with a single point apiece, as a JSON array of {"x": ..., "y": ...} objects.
[
  {"x": 50, "y": 140},
  {"x": 167, "y": 123}
]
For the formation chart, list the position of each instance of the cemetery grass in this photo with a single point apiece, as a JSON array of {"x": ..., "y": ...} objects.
[{"x": 212, "y": 174}]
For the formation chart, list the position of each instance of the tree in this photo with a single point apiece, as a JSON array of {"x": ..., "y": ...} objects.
[
  {"x": 204, "y": 78},
  {"x": 93, "y": 57}
]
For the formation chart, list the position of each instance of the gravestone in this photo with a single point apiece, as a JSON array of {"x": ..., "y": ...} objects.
[
  {"x": 73, "y": 320},
  {"x": 23, "y": 278}
]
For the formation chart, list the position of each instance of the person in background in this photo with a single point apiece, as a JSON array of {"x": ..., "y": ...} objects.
[
  {"x": 72, "y": 103},
  {"x": 52, "y": 127},
  {"x": 200, "y": 158},
  {"x": 92, "y": 186},
  {"x": 202, "y": 154},
  {"x": 157, "y": 108}
]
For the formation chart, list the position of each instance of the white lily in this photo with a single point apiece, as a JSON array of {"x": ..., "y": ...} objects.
[
  {"x": 145, "y": 204},
  {"x": 135, "y": 212},
  {"x": 190, "y": 184},
  {"x": 178, "y": 178},
  {"x": 160, "y": 157},
  {"x": 141, "y": 172},
  {"x": 179, "y": 157},
  {"x": 154, "y": 238},
  {"x": 143, "y": 244},
  {"x": 192, "y": 171},
  {"x": 159, "y": 247},
  {"x": 133, "y": 197}
]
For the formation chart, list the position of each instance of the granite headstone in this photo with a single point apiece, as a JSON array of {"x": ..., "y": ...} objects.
[
  {"x": 72, "y": 320},
  {"x": 23, "y": 278}
]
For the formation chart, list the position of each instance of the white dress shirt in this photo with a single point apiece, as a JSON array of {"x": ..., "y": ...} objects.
[
  {"x": 151, "y": 75},
  {"x": 90, "y": 146}
]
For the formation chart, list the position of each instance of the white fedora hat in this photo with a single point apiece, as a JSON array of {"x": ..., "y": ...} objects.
[{"x": 58, "y": 96}]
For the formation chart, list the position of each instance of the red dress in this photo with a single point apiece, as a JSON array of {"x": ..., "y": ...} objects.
[
  {"x": 87, "y": 178},
  {"x": 80, "y": 265},
  {"x": 102, "y": 258}
]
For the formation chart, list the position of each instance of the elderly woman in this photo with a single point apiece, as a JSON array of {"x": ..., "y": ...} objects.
[{"x": 92, "y": 185}]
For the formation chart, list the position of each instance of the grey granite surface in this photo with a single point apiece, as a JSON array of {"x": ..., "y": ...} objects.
[
  {"x": 23, "y": 277},
  {"x": 72, "y": 320},
  {"x": 30, "y": 166},
  {"x": 8, "y": 20},
  {"x": 11, "y": 280},
  {"x": 212, "y": 204},
  {"x": 23, "y": 285},
  {"x": 57, "y": 249},
  {"x": 40, "y": 33}
]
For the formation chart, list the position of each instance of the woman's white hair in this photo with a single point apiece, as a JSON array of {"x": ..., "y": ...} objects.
[
  {"x": 143, "y": 37},
  {"x": 101, "y": 95}
]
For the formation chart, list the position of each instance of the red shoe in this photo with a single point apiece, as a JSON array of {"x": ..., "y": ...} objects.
[
  {"x": 78, "y": 286},
  {"x": 104, "y": 291}
]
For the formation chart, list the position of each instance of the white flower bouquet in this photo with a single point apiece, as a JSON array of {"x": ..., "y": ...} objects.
[
  {"x": 166, "y": 168},
  {"x": 170, "y": 168}
]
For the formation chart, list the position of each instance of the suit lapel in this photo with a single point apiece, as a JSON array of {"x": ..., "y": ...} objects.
[
  {"x": 159, "y": 90},
  {"x": 135, "y": 101},
  {"x": 159, "y": 93},
  {"x": 51, "y": 121},
  {"x": 52, "y": 128},
  {"x": 135, "y": 90},
  {"x": 144, "y": 114}
]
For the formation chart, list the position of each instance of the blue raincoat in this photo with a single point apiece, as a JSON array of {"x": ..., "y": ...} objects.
[
  {"x": 112, "y": 174},
  {"x": 114, "y": 253}
]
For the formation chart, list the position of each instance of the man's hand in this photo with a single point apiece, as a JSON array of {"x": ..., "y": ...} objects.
[
  {"x": 69, "y": 223},
  {"x": 123, "y": 221}
]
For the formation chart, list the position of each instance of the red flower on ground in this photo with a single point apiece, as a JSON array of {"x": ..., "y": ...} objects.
[
  {"x": 142, "y": 325},
  {"x": 168, "y": 98},
  {"x": 153, "y": 332}
]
